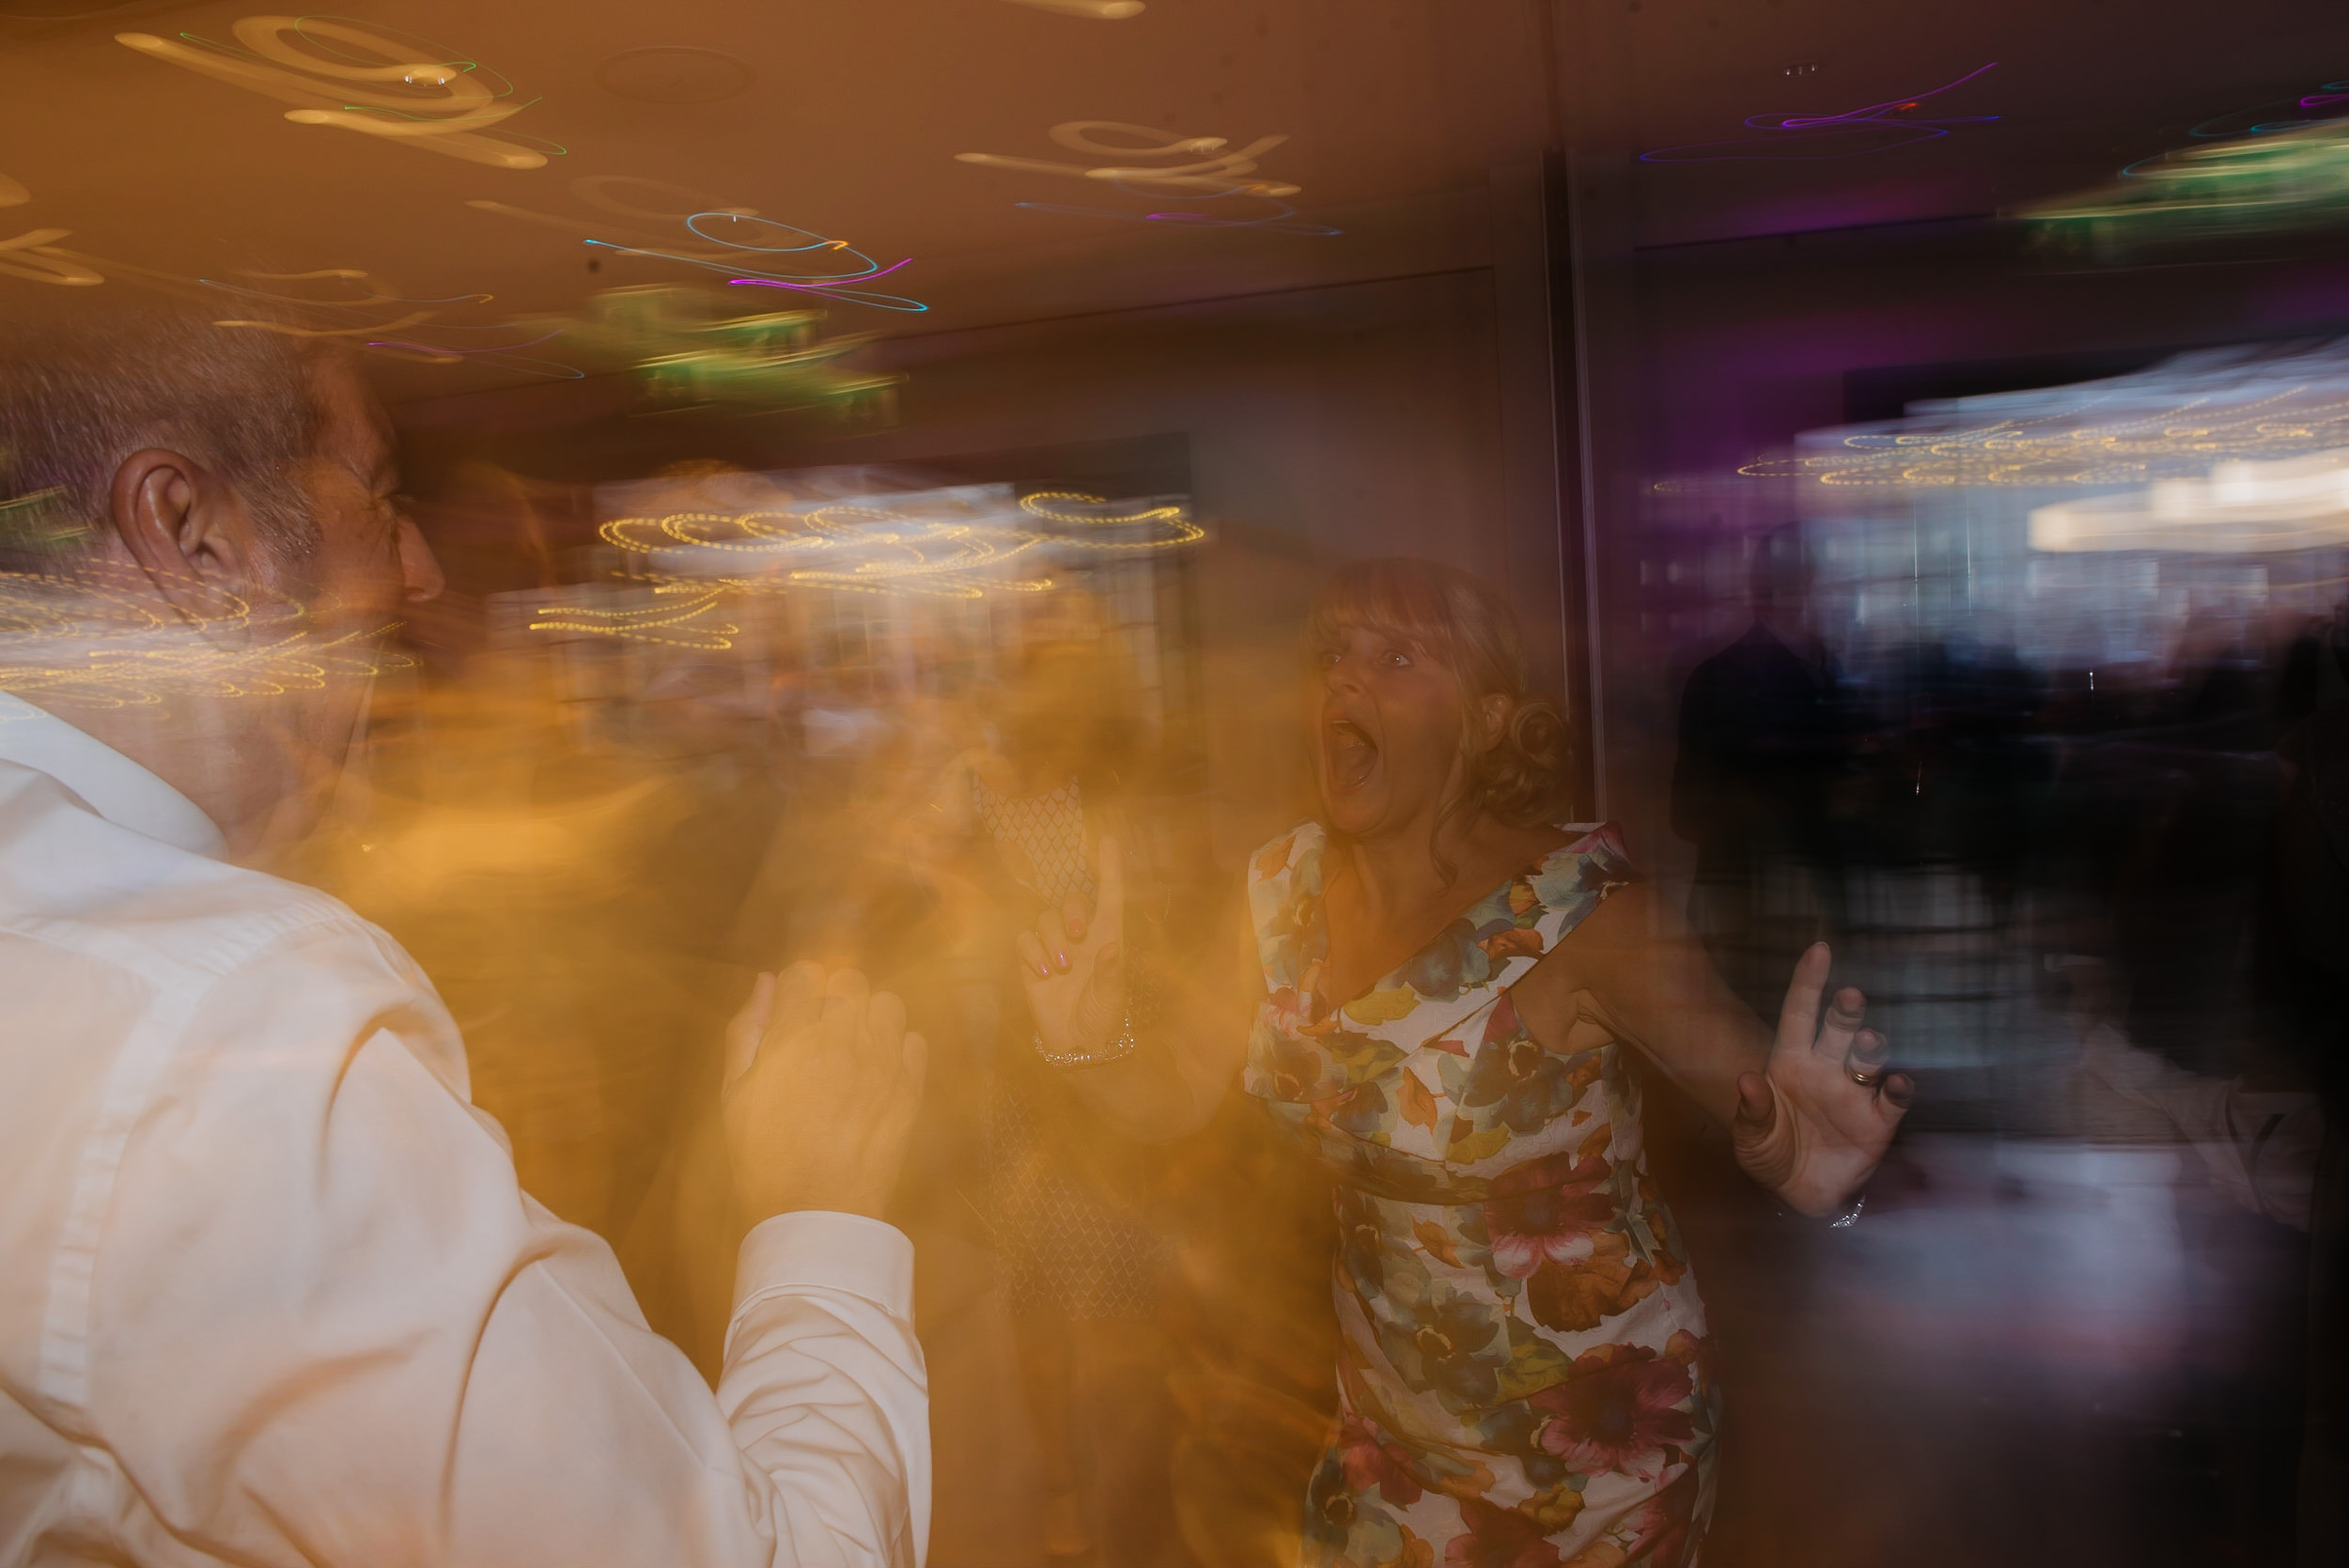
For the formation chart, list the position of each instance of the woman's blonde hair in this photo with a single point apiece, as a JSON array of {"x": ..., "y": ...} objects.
[{"x": 1523, "y": 777}]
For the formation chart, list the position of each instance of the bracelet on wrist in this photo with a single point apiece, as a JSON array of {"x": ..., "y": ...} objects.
[
  {"x": 1119, "y": 1047},
  {"x": 1141, "y": 1009}
]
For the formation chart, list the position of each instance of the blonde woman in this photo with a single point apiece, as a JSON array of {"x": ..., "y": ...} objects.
[{"x": 1436, "y": 990}]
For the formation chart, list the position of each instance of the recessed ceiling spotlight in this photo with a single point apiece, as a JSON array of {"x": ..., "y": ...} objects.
[
  {"x": 675, "y": 73},
  {"x": 1806, "y": 69}
]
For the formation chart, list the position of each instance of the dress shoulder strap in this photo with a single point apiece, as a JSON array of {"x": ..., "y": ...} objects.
[
  {"x": 1284, "y": 892},
  {"x": 1574, "y": 878}
]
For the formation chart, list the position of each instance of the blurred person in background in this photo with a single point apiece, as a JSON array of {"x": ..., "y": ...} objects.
[
  {"x": 2269, "y": 1136},
  {"x": 1761, "y": 746},
  {"x": 273, "y": 1293},
  {"x": 1434, "y": 996},
  {"x": 1084, "y": 1262}
]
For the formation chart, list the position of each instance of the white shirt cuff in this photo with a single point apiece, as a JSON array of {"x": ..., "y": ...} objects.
[{"x": 823, "y": 1249}]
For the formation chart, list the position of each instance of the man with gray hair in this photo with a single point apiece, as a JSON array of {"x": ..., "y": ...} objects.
[{"x": 269, "y": 1290}]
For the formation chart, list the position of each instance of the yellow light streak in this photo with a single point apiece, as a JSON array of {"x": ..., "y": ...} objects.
[
  {"x": 2072, "y": 447},
  {"x": 446, "y": 108},
  {"x": 1092, "y": 10},
  {"x": 844, "y": 547},
  {"x": 96, "y": 636},
  {"x": 31, "y": 256},
  {"x": 1223, "y": 175}
]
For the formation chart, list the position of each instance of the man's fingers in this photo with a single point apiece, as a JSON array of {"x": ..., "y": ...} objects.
[
  {"x": 885, "y": 1022},
  {"x": 846, "y": 998},
  {"x": 1072, "y": 918},
  {"x": 749, "y": 1026},
  {"x": 1798, "y": 1020},
  {"x": 847, "y": 990},
  {"x": 916, "y": 1057},
  {"x": 799, "y": 1000}
]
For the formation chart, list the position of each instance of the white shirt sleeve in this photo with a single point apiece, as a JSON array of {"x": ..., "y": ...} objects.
[{"x": 327, "y": 1327}]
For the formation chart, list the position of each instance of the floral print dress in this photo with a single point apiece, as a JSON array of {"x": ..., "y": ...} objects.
[{"x": 1523, "y": 1375}]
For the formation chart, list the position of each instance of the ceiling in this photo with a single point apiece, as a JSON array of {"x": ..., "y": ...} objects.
[{"x": 849, "y": 128}]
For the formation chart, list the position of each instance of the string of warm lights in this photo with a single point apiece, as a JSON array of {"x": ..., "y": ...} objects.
[
  {"x": 401, "y": 89},
  {"x": 95, "y": 636},
  {"x": 2072, "y": 447},
  {"x": 671, "y": 626},
  {"x": 844, "y": 547}
]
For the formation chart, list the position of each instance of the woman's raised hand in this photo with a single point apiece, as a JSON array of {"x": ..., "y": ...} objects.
[
  {"x": 1073, "y": 964},
  {"x": 1812, "y": 1125}
]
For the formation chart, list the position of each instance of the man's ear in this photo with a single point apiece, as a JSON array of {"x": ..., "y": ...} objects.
[{"x": 185, "y": 528}]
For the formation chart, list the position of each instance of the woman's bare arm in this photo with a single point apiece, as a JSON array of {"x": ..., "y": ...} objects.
[
  {"x": 1634, "y": 962},
  {"x": 1809, "y": 1110}
]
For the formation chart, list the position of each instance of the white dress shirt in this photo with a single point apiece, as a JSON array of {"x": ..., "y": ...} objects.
[{"x": 268, "y": 1292}]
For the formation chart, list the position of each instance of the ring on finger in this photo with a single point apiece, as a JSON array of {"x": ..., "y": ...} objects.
[{"x": 1865, "y": 1079}]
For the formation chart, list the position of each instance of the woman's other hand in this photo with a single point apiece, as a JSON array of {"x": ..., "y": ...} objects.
[
  {"x": 822, "y": 1081},
  {"x": 1813, "y": 1124},
  {"x": 1073, "y": 964}
]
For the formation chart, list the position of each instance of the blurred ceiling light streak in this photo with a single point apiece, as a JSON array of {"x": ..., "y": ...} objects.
[
  {"x": 667, "y": 624},
  {"x": 2241, "y": 507},
  {"x": 1094, "y": 11},
  {"x": 684, "y": 358},
  {"x": 831, "y": 285},
  {"x": 1865, "y": 121},
  {"x": 1272, "y": 223},
  {"x": 961, "y": 551},
  {"x": 2241, "y": 122},
  {"x": 2171, "y": 422},
  {"x": 90, "y": 636},
  {"x": 369, "y": 296},
  {"x": 729, "y": 258},
  {"x": 437, "y": 104},
  {"x": 33, "y": 257},
  {"x": 2281, "y": 181},
  {"x": 1217, "y": 176}
]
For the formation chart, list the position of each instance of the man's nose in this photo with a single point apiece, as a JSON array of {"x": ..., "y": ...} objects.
[{"x": 419, "y": 568}]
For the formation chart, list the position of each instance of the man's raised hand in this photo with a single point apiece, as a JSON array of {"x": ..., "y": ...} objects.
[{"x": 821, "y": 1083}]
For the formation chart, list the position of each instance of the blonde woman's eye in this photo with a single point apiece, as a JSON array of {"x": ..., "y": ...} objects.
[{"x": 1398, "y": 658}]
